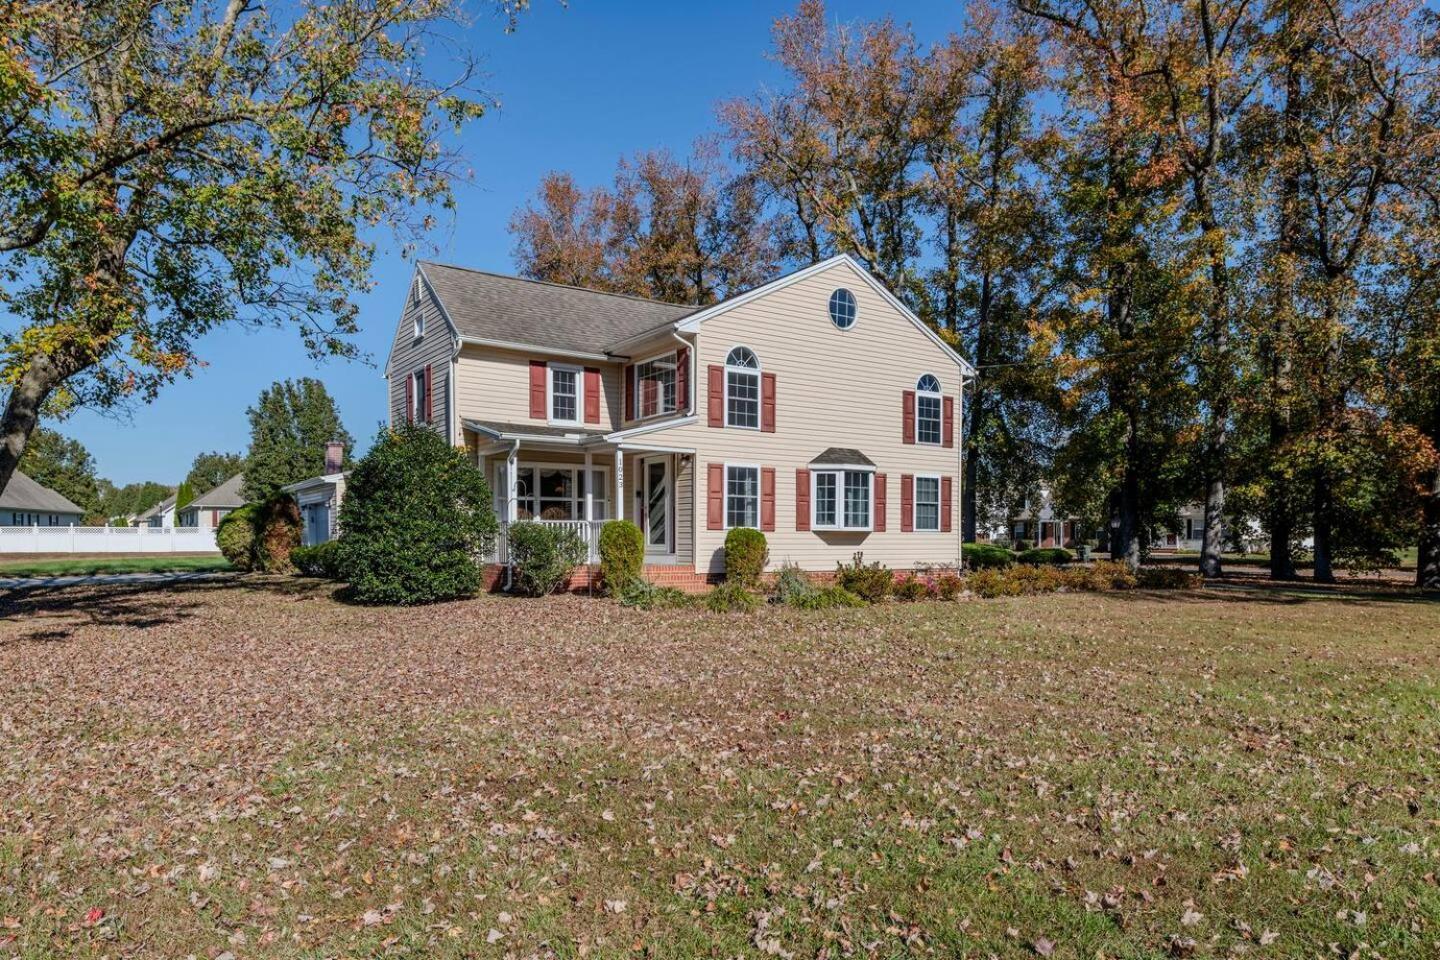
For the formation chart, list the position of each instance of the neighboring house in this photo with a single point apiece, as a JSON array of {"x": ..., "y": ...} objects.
[
  {"x": 1045, "y": 527},
  {"x": 208, "y": 508},
  {"x": 1191, "y": 530},
  {"x": 320, "y": 497},
  {"x": 25, "y": 503},
  {"x": 816, "y": 408},
  {"x": 160, "y": 515}
]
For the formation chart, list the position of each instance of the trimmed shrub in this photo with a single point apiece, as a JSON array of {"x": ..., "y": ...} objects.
[
  {"x": 872, "y": 582},
  {"x": 948, "y": 586},
  {"x": 622, "y": 555},
  {"x": 829, "y": 598},
  {"x": 1168, "y": 578},
  {"x": 986, "y": 556},
  {"x": 644, "y": 595},
  {"x": 544, "y": 556},
  {"x": 992, "y": 583},
  {"x": 1041, "y": 556},
  {"x": 745, "y": 556},
  {"x": 792, "y": 586},
  {"x": 235, "y": 536},
  {"x": 1103, "y": 575},
  {"x": 321, "y": 560},
  {"x": 910, "y": 588},
  {"x": 277, "y": 533},
  {"x": 731, "y": 597},
  {"x": 416, "y": 521}
]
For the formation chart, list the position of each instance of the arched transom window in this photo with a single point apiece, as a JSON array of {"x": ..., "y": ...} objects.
[{"x": 742, "y": 389}]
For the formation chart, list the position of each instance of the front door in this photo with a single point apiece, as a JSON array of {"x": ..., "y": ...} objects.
[{"x": 659, "y": 535}]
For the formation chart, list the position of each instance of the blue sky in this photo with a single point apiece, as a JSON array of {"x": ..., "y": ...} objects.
[{"x": 579, "y": 86}]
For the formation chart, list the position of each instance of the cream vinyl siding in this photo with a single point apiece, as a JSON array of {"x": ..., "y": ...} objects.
[
  {"x": 494, "y": 385},
  {"x": 834, "y": 388},
  {"x": 409, "y": 355}
]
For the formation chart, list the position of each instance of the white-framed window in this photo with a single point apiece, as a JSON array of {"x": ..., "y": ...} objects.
[
  {"x": 927, "y": 503},
  {"x": 416, "y": 309},
  {"x": 564, "y": 393},
  {"x": 546, "y": 491},
  {"x": 742, "y": 496},
  {"x": 842, "y": 309},
  {"x": 419, "y": 397},
  {"x": 841, "y": 499},
  {"x": 928, "y": 407},
  {"x": 655, "y": 393},
  {"x": 742, "y": 389}
]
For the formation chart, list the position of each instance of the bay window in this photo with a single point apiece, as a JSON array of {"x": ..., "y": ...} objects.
[{"x": 840, "y": 499}]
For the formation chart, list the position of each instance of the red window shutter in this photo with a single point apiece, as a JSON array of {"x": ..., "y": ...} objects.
[
  {"x": 907, "y": 408},
  {"x": 429, "y": 393},
  {"x": 716, "y": 398},
  {"x": 945, "y": 511},
  {"x": 949, "y": 422},
  {"x": 715, "y": 496},
  {"x": 802, "y": 499},
  {"x": 767, "y": 403},
  {"x": 879, "y": 520},
  {"x": 630, "y": 392},
  {"x": 907, "y": 503},
  {"x": 592, "y": 395},
  {"x": 537, "y": 390},
  {"x": 409, "y": 398},
  {"x": 682, "y": 379},
  {"x": 767, "y": 499}
]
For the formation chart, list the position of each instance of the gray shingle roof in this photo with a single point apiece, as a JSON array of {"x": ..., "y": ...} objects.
[
  {"x": 160, "y": 507},
  {"x": 225, "y": 495},
  {"x": 491, "y": 306},
  {"x": 842, "y": 456},
  {"x": 22, "y": 493}
]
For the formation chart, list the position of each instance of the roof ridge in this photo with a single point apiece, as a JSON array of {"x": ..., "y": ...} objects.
[{"x": 563, "y": 286}]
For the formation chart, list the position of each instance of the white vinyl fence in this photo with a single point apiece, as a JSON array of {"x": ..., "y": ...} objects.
[{"x": 72, "y": 539}]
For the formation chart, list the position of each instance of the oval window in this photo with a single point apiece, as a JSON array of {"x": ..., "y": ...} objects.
[{"x": 842, "y": 309}]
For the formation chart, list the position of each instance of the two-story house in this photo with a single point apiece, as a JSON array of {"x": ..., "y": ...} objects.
[{"x": 816, "y": 408}]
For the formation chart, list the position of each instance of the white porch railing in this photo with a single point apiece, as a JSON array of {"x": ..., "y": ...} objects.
[
  {"x": 587, "y": 530},
  {"x": 73, "y": 539}
]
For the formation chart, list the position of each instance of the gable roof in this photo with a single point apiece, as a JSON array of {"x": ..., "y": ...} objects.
[
  {"x": 158, "y": 508},
  {"x": 225, "y": 495},
  {"x": 499, "y": 309},
  {"x": 23, "y": 493}
]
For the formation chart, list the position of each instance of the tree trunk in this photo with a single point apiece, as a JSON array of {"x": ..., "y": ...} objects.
[
  {"x": 22, "y": 412},
  {"x": 1427, "y": 571},
  {"x": 1281, "y": 509},
  {"x": 1214, "y": 544},
  {"x": 979, "y": 416},
  {"x": 1128, "y": 548}
]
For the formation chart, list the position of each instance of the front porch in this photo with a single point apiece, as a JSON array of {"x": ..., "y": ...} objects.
[{"x": 580, "y": 479}]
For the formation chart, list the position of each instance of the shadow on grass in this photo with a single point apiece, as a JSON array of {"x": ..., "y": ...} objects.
[
  {"x": 53, "y": 613},
  {"x": 1283, "y": 594}
]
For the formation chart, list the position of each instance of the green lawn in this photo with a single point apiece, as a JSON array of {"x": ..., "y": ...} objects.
[
  {"x": 91, "y": 566},
  {"x": 251, "y": 768}
]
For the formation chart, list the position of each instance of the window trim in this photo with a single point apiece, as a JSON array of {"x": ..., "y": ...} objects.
[
  {"x": 939, "y": 503},
  {"x": 939, "y": 397},
  {"x": 417, "y": 304},
  {"x": 502, "y": 492},
  {"x": 855, "y": 309},
  {"x": 838, "y": 470},
  {"x": 759, "y": 494},
  {"x": 639, "y": 392},
  {"x": 419, "y": 413},
  {"x": 755, "y": 371},
  {"x": 579, "y": 373}
]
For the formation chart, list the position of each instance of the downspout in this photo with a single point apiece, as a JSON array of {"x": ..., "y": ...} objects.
[
  {"x": 960, "y": 471},
  {"x": 694, "y": 349},
  {"x": 512, "y": 463},
  {"x": 694, "y": 370},
  {"x": 451, "y": 406}
]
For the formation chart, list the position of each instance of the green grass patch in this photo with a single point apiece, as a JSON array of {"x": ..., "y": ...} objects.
[{"x": 96, "y": 566}]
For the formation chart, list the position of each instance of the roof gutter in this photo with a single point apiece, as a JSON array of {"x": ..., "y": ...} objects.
[{"x": 535, "y": 348}]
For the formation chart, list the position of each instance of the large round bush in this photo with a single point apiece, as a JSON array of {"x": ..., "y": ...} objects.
[
  {"x": 416, "y": 521},
  {"x": 277, "y": 533},
  {"x": 235, "y": 536}
]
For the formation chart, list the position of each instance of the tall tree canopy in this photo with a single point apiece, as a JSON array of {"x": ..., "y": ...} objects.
[
  {"x": 168, "y": 168},
  {"x": 687, "y": 232},
  {"x": 290, "y": 425},
  {"x": 209, "y": 470}
]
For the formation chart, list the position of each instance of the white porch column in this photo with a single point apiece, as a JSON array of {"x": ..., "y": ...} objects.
[
  {"x": 589, "y": 487},
  {"x": 619, "y": 482},
  {"x": 512, "y": 496}
]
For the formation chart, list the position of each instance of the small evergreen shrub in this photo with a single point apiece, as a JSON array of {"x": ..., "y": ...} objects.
[
  {"x": 910, "y": 588},
  {"x": 544, "y": 556},
  {"x": 1045, "y": 555},
  {"x": 745, "y": 556},
  {"x": 792, "y": 586},
  {"x": 321, "y": 560},
  {"x": 277, "y": 533},
  {"x": 644, "y": 595},
  {"x": 992, "y": 583},
  {"x": 829, "y": 598},
  {"x": 622, "y": 555},
  {"x": 1031, "y": 580},
  {"x": 948, "y": 586},
  {"x": 871, "y": 582},
  {"x": 235, "y": 536},
  {"x": 986, "y": 556},
  {"x": 731, "y": 597},
  {"x": 1104, "y": 575},
  {"x": 416, "y": 522}
]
